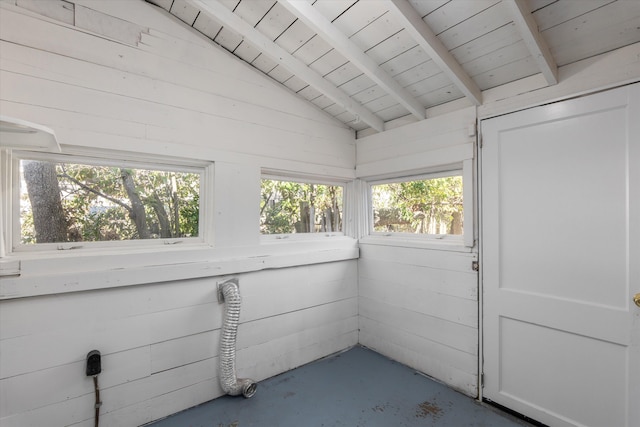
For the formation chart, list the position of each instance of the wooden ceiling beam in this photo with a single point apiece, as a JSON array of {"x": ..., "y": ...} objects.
[
  {"x": 538, "y": 48},
  {"x": 429, "y": 42},
  {"x": 308, "y": 14},
  {"x": 215, "y": 10}
]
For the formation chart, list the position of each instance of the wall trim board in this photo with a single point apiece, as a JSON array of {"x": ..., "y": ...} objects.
[
  {"x": 439, "y": 125},
  {"x": 416, "y": 162},
  {"x": 432, "y": 143}
]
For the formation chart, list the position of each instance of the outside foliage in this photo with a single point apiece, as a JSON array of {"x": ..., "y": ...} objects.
[
  {"x": 429, "y": 206},
  {"x": 293, "y": 207},
  {"x": 64, "y": 202}
]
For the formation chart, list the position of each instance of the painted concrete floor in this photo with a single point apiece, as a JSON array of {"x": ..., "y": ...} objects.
[{"x": 355, "y": 388}]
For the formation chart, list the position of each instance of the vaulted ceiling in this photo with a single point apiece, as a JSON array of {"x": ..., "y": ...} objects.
[{"x": 370, "y": 62}]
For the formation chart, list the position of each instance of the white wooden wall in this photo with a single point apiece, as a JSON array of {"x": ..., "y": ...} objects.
[
  {"x": 132, "y": 78},
  {"x": 418, "y": 302}
]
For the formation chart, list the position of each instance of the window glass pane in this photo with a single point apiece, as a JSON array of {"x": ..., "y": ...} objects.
[
  {"x": 294, "y": 207},
  {"x": 426, "y": 206},
  {"x": 70, "y": 202}
]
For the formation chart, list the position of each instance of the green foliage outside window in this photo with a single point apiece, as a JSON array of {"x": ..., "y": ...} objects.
[
  {"x": 427, "y": 206},
  {"x": 294, "y": 207}
]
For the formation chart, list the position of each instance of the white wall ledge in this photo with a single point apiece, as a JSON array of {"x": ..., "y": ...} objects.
[{"x": 57, "y": 275}]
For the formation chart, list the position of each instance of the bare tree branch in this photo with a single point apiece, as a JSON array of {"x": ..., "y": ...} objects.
[{"x": 94, "y": 191}]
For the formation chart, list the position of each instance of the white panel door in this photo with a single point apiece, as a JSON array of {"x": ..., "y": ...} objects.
[{"x": 561, "y": 260}]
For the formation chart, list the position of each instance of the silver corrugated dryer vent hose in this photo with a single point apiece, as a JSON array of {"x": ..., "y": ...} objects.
[{"x": 229, "y": 293}]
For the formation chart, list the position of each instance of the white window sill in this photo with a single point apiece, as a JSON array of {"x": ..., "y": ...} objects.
[
  {"x": 301, "y": 237},
  {"x": 26, "y": 275},
  {"x": 447, "y": 243}
]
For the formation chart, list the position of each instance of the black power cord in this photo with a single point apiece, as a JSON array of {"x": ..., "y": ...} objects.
[
  {"x": 98, "y": 402},
  {"x": 94, "y": 367}
]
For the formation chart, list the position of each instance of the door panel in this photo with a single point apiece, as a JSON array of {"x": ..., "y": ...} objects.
[
  {"x": 560, "y": 226},
  {"x": 567, "y": 356}
]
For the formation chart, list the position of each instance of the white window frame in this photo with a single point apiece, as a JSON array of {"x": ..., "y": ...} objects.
[
  {"x": 464, "y": 169},
  {"x": 305, "y": 179},
  {"x": 10, "y": 239}
]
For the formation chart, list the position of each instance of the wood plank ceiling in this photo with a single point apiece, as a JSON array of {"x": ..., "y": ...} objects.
[{"x": 370, "y": 62}]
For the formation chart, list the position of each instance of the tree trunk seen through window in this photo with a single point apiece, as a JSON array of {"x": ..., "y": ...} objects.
[
  {"x": 49, "y": 219},
  {"x": 65, "y": 201},
  {"x": 161, "y": 213},
  {"x": 137, "y": 212}
]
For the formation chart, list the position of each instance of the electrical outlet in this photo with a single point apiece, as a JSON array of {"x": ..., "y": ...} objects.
[{"x": 94, "y": 364}]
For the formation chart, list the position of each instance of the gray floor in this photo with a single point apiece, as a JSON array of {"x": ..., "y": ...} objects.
[{"x": 356, "y": 388}]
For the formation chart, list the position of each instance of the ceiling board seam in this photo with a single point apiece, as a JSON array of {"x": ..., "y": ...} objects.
[
  {"x": 303, "y": 44},
  {"x": 481, "y": 36},
  {"x": 382, "y": 41},
  {"x": 462, "y": 21},
  {"x": 363, "y": 90},
  {"x": 236, "y": 48},
  {"x": 417, "y": 66},
  {"x": 343, "y": 12},
  {"x": 216, "y": 36},
  {"x": 256, "y": 58},
  {"x": 574, "y": 17},
  {"x": 315, "y": 97},
  {"x": 336, "y": 68},
  {"x": 465, "y": 20},
  {"x": 323, "y": 55},
  {"x": 351, "y": 79},
  {"x": 435, "y": 10},
  {"x": 367, "y": 25},
  {"x": 401, "y": 53},
  {"x": 284, "y": 31},
  {"x": 546, "y": 5},
  {"x": 263, "y": 16}
]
